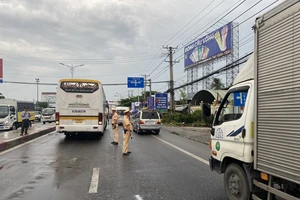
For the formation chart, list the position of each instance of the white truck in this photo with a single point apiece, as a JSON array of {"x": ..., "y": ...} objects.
[
  {"x": 255, "y": 137},
  {"x": 10, "y": 113}
]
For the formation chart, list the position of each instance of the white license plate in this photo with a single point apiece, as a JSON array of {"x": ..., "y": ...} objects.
[{"x": 150, "y": 123}]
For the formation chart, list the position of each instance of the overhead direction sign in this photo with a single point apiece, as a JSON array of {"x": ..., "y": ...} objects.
[{"x": 135, "y": 82}]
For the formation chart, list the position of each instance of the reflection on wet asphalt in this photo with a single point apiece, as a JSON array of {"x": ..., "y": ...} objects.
[{"x": 58, "y": 168}]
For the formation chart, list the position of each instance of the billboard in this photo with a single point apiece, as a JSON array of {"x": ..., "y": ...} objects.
[
  {"x": 150, "y": 103},
  {"x": 161, "y": 102},
  {"x": 1, "y": 70},
  {"x": 211, "y": 46}
]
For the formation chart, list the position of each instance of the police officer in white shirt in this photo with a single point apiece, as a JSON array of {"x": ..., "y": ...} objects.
[{"x": 25, "y": 121}]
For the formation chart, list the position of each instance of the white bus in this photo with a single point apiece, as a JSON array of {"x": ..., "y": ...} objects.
[{"x": 80, "y": 107}]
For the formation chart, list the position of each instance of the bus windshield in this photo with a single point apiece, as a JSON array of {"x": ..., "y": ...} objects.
[{"x": 79, "y": 87}]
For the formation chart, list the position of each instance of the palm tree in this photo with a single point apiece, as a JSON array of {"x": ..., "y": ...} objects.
[{"x": 217, "y": 84}]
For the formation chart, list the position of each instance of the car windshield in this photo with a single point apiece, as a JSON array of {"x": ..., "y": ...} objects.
[
  {"x": 48, "y": 112},
  {"x": 150, "y": 115},
  {"x": 4, "y": 111},
  {"x": 120, "y": 112}
]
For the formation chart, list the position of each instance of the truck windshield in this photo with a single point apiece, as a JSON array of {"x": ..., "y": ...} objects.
[
  {"x": 4, "y": 111},
  {"x": 48, "y": 112},
  {"x": 120, "y": 112}
]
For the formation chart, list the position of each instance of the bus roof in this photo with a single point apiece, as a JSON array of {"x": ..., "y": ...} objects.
[{"x": 79, "y": 80}]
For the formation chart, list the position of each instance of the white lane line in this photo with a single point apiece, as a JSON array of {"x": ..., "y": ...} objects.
[
  {"x": 18, "y": 146},
  {"x": 94, "y": 181},
  {"x": 138, "y": 197},
  {"x": 182, "y": 150}
]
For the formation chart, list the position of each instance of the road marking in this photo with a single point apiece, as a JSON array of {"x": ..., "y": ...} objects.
[
  {"x": 18, "y": 146},
  {"x": 138, "y": 197},
  {"x": 94, "y": 181},
  {"x": 182, "y": 150}
]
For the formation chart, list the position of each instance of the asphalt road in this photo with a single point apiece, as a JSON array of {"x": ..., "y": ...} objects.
[{"x": 160, "y": 167}]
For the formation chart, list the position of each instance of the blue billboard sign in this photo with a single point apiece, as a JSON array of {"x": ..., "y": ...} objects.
[
  {"x": 240, "y": 98},
  {"x": 135, "y": 82},
  {"x": 161, "y": 101},
  {"x": 211, "y": 46},
  {"x": 150, "y": 103}
]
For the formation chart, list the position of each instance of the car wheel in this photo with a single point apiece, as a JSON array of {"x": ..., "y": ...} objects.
[
  {"x": 44, "y": 122},
  {"x": 139, "y": 131},
  {"x": 156, "y": 132}
]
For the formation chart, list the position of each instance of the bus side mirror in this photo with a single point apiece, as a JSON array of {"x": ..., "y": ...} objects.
[{"x": 206, "y": 111}]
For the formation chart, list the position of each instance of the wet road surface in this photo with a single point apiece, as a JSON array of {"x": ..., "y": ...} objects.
[{"x": 84, "y": 168}]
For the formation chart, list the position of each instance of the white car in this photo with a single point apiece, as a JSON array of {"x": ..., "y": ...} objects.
[
  {"x": 38, "y": 116},
  {"x": 48, "y": 115}
]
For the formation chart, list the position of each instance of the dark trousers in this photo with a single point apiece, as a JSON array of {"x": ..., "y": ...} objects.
[{"x": 25, "y": 125}]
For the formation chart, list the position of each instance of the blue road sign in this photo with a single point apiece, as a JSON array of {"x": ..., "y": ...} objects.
[
  {"x": 240, "y": 98},
  {"x": 151, "y": 103},
  {"x": 135, "y": 82},
  {"x": 161, "y": 101}
]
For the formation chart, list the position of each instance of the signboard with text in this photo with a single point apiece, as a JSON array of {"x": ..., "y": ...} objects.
[
  {"x": 151, "y": 103},
  {"x": 216, "y": 44},
  {"x": 135, "y": 82},
  {"x": 161, "y": 102}
]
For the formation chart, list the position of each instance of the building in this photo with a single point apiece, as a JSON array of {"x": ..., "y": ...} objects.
[{"x": 49, "y": 97}]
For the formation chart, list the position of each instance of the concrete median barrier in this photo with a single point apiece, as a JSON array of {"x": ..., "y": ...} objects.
[{"x": 7, "y": 144}]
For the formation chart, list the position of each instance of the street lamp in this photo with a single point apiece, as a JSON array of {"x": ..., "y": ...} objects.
[
  {"x": 37, "y": 90},
  {"x": 72, "y": 68}
]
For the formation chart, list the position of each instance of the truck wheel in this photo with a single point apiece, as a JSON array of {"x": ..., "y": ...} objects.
[
  {"x": 14, "y": 127},
  {"x": 235, "y": 183},
  {"x": 44, "y": 122}
]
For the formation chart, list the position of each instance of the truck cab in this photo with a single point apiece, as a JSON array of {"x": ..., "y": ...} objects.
[{"x": 8, "y": 119}]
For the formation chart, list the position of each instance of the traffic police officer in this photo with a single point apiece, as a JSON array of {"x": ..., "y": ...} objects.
[
  {"x": 114, "y": 122},
  {"x": 127, "y": 126}
]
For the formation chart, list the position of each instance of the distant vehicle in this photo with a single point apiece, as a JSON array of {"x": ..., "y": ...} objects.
[
  {"x": 38, "y": 115},
  {"x": 120, "y": 110},
  {"x": 80, "y": 107},
  {"x": 10, "y": 113},
  {"x": 146, "y": 121},
  {"x": 48, "y": 115}
]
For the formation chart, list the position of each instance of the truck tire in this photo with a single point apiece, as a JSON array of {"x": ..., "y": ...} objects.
[
  {"x": 14, "y": 126},
  {"x": 235, "y": 183}
]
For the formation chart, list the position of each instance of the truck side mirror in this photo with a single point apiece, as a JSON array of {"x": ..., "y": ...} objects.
[{"x": 206, "y": 111}]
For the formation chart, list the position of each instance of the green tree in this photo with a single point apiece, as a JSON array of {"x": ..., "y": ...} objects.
[
  {"x": 217, "y": 84},
  {"x": 42, "y": 104}
]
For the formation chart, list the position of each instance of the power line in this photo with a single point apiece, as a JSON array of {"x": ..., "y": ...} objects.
[
  {"x": 105, "y": 84},
  {"x": 199, "y": 21},
  {"x": 229, "y": 66},
  {"x": 188, "y": 23}
]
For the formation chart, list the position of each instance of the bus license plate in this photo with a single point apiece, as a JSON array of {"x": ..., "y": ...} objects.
[{"x": 78, "y": 120}]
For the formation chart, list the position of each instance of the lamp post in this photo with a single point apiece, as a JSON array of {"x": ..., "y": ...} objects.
[
  {"x": 37, "y": 90},
  {"x": 72, "y": 68}
]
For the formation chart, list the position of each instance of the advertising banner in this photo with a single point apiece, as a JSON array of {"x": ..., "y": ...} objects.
[
  {"x": 216, "y": 44},
  {"x": 161, "y": 102},
  {"x": 151, "y": 103}
]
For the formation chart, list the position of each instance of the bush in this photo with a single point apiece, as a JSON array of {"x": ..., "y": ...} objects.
[{"x": 192, "y": 119}]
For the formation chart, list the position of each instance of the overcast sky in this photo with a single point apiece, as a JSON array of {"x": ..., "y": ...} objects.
[{"x": 114, "y": 39}]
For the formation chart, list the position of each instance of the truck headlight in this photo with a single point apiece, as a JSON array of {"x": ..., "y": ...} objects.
[{"x": 6, "y": 122}]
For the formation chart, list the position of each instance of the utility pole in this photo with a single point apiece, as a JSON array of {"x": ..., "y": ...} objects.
[
  {"x": 150, "y": 87},
  {"x": 37, "y": 90},
  {"x": 171, "y": 62},
  {"x": 145, "y": 83}
]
